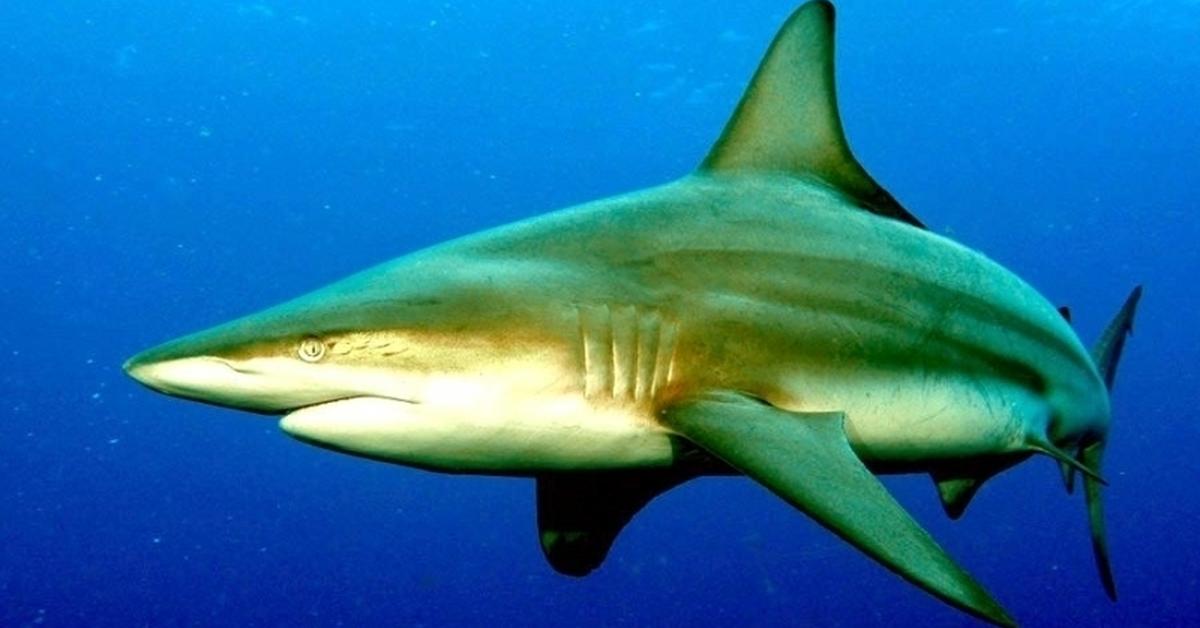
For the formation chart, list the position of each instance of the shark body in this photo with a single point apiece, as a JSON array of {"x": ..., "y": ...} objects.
[{"x": 775, "y": 313}]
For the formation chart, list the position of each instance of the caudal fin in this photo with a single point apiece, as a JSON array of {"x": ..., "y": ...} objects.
[{"x": 1107, "y": 354}]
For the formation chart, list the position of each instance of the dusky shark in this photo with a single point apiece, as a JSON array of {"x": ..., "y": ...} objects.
[{"x": 775, "y": 313}]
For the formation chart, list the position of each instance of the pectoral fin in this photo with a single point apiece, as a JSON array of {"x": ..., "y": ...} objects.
[
  {"x": 580, "y": 514},
  {"x": 807, "y": 460}
]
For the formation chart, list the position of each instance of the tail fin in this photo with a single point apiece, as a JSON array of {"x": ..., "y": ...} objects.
[
  {"x": 1106, "y": 354},
  {"x": 1092, "y": 456}
]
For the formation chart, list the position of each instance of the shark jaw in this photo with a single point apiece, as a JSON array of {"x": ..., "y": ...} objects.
[
  {"x": 510, "y": 422},
  {"x": 776, "y": 314},
  {"x": 265, "y": 385},
  {"x": 218, "y": 381}
]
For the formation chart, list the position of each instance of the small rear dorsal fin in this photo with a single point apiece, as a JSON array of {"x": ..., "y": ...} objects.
[
  {"x": 787, "y": 121},
  {"x": 1065, "y": 311}
]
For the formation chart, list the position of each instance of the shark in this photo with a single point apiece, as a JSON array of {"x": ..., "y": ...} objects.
[{"x": 774, "y": 314}]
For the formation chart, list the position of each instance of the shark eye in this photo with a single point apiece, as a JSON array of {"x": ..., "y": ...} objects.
[{"x": 311, "y": 349}]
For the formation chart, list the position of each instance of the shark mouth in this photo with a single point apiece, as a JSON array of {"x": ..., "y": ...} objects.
[{"x": 347, "y": 418}]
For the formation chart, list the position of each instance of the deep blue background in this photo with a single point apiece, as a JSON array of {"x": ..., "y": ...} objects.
[{"x": 166, "y": 166}]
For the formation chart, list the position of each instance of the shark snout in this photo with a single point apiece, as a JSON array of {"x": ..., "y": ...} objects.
[
  {"x": 193, "y": 377},
  {"x": 143, "y": 369},
  {"x": 220, "y": 382},
  {"x": 263, "y": 384}
]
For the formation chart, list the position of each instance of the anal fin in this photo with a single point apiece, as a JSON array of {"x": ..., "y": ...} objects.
[
  {"x": 957, "y": 483},
  {"x": 956, "y": 493},
  {"x": 580, "y": 514},
  {"x": 807, "y": 460}
]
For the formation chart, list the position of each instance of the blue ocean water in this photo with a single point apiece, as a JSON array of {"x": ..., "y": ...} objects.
[{"x": 167, "y": 166}]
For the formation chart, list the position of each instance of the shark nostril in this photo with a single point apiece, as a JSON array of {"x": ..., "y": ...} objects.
[{"x": 243, "y": 370}]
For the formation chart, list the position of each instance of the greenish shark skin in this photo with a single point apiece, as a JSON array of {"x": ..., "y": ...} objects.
[
  {"x": 775, "y": 313},
  {"x": 932, "y": 351}
]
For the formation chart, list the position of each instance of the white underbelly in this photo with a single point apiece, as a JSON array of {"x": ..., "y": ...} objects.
[
  {"x": 913, "y": 417},
  {"x": 526, "y": 424},
  {"x": 556, "y": 434}
]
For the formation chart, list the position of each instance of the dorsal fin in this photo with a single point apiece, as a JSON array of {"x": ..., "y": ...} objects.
[{"x": 787, "y": 121}]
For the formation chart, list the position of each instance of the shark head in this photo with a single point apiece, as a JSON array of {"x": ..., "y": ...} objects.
[
  {"x": 295, "y": 355},
  {"x": 425, "y": 364},
  {"x": 382, "y": 335},
  {"x": 268, "y": 363},
  {"x": 392, "y": 332}
]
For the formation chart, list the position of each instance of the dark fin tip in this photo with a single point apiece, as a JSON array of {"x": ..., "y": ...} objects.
[{"x": 1068, "y": 476}]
